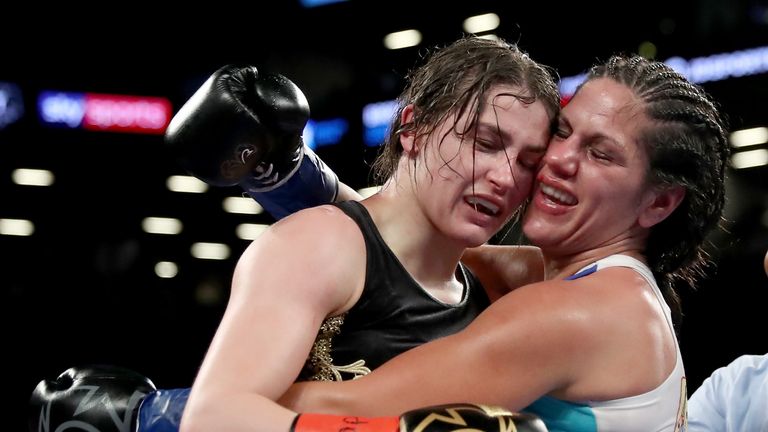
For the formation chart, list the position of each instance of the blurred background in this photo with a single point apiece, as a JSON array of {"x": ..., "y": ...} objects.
[{"x": 111, "y": 255}]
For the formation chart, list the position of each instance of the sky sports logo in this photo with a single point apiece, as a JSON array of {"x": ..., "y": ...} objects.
[{"x": 104, "y": 112}]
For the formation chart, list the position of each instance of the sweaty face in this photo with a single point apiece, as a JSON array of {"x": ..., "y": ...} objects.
[
  {"x": 591, "y": 186},
  {"x": 471, "y": 187}
]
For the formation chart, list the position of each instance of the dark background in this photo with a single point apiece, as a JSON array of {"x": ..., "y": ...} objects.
[{"x": 82, "y": 289}]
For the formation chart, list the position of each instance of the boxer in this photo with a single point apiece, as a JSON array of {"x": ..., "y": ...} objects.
[
  {"x": 263, "y": 153},
  {"x": 104, "y": 398}
]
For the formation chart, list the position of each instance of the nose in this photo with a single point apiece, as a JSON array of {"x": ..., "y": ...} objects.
[
  {"x": 502, "y": 177},
  {"x": 562, "y": 157}
]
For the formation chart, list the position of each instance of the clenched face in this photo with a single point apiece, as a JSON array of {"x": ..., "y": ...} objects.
[
  {"x": 591, "y": 187},
  {"x": 470, "y": 191}
]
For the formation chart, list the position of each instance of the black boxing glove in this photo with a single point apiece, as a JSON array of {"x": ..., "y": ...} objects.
[
  {"x": 442, "y": 418},
  {"x": 104, "y": 398},
  {"x": 101, "y": 398},
  {"x": 242, "y": 127}
]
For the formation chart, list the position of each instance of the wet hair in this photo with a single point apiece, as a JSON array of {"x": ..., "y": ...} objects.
[
  {"x": 687, "y": 146},
  {"x": 457, "y": 78}
]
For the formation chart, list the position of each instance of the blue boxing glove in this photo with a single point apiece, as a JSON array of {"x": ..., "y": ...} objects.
[
  {"x": 310, "y": 184},
  {"x": 245, "y": 128},
  {"x": 104, "y": 399},
  {"x": 161, "y": 410}
]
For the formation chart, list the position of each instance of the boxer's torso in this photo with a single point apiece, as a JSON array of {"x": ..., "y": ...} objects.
[
  {"x": 661, "y": 409},
  {"x": 392, "y": 315}
]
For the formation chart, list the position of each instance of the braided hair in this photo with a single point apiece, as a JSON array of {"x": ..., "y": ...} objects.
[{"x": 687, "y": 146}]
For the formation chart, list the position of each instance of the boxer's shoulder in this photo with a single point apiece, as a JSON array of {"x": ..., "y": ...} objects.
[
  {"x": 315, "y": 257},
  {"x": 323, "y": 235},
  {"x": 325, "y": 221}
]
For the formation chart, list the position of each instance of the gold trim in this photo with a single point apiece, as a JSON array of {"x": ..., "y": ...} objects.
[{"x": 319, "y": 365}]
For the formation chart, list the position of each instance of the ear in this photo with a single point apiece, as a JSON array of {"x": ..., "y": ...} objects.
[
  {"x": 663, "y": 202},
  {"x": 407, "y": 139}
]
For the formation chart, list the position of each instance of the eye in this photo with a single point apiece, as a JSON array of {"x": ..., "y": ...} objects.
[
  {"x": 599, "y": 154},
  {"x": 488, "y": 145},
  {"x": 561, "y": 133},
  {"x": 529, "y": 160}
]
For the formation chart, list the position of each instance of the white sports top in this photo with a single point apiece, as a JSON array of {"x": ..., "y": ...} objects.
[{"x": 661, "y": 409}]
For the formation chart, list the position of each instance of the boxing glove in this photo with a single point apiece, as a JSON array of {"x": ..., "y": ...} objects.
[
  {"x": 245, "y": 128},
  {"x": 442, "y": 418},
  {"x": 104, "y": 398}
]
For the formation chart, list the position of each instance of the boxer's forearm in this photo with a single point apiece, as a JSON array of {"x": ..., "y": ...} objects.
[
  {"x": 242, "y": 412},
  {"x": 502, "y": 268}
]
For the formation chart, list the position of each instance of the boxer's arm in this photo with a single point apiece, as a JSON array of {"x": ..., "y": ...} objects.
[
  {"x": 285, "y": 284},
  {"x": 443, "y": 418},
  {"x": 502, "y": 268},
  {"x": 494, "y": 361}
]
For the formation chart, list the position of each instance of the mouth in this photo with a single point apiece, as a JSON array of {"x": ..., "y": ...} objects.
[
  {"x": 557, "y": 196},
  {"x": 484, "y": 206}
]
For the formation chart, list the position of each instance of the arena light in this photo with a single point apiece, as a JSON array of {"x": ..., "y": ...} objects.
[
  {"x": 16, "y": 227},
  {"x": 248, "y": 231},
  {"x": 210, "y": 251},
  {"x": 749, "y": 137},
  {"x": 161, "y": 225},
  {"x": 481, "y": 23},
  {"x": 489, "y": 36},
  {"x": 11, "y": 104},
  {"x": 402, "y": 39},
  {"x": 32, "y": 177},
  {"x": 319, "y": 133},
  {"x": 185, "y": 184},
  {"x": 376, "y": 119},
  {"x": 316, "y": 3},
  {"x": 166, "y": 269},
  {"x": 569, "y": 84},
  {"x": 241, "y": 205},
  {"x": 61, "y": 108},
  {"x": 716, "y": 67},
  {"x": 749, "y": 159}
]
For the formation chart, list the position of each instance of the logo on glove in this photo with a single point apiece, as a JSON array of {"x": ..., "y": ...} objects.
[{"x": 94, "y": 405}]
